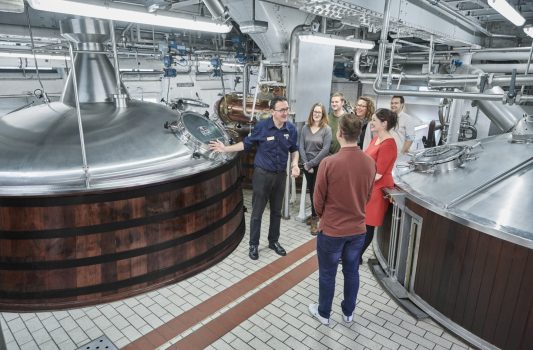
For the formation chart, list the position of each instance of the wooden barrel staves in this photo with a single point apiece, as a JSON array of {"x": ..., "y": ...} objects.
[{"x": 66, "y": 251}]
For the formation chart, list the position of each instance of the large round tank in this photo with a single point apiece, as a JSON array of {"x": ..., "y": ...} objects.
[
  {"x": 460, "y": 237},
  {"x": 152, "y": 207}
]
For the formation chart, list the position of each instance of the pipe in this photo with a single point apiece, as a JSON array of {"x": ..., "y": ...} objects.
[
  {"x": 245, "y": 87},
  {"x": 216, "y": 9},
  {"x": 527, "y": 68},
  {"x": 462, "y": 82},
  {"x": 431, "y": 53},
  {"x": 293, "y": 62},
  {"x": 123, "y": 33},
  {"x": 500, "y": 56},
  {"x": 417, "y": 77},
  {"x": 383, "y": 42},
  {"x": 381, "y": 63},
  {"x": 78, "y": 113},
  {"x": 119, "y": 99},
  {"x": 454, "y": 125},
  {"x": 466, "y": 50},
  {"x": 503, "y": 68},
  {"x": 453, "y": 16}
]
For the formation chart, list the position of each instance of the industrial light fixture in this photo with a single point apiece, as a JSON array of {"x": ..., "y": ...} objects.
[
  {"x": 327, "y": 39},
  {"x": 507, "y": 11},
  {"x": 528, "y": 29},
  {"x": 129, "y": 13},
  {"x": 14, "y": 54}
]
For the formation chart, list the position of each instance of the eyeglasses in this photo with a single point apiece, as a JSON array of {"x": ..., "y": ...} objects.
[{"x": 283, "y": 110}]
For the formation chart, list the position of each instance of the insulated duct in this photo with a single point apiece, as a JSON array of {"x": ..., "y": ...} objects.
[
  {"x": 217, "y": 10},
  {"x": 16, "y": 6}
]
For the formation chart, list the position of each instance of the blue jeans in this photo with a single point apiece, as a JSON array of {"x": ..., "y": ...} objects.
[{"x": 329, "y": 251}]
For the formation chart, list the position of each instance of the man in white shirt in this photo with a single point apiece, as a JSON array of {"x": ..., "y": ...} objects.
[{"x": 404, "y": 133}]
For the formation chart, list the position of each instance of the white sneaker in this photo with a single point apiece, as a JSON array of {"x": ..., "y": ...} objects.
[
  {"x": 313, "y": 310},
  {"x": 347, "y": 319}
]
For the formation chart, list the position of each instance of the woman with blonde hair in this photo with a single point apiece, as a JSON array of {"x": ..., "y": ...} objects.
[
  {"x": 364, "y": 109},
  {"x": 315, "y": 141}
]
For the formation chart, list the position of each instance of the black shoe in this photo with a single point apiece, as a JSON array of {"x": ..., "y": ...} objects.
[
  {"x": 254, "y": 253},
  {"x": 277, "y": 248}
]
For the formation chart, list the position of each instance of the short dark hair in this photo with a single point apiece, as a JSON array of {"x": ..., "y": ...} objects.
[
  {"x": 275, "y": 100},
  {"x": 386, "y": 115},
  {"x": 350, "y": 127},
  {"x": 402, "y": 100}
]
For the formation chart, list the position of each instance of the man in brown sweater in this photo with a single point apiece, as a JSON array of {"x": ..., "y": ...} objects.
[{"x": 343, "y": 186}]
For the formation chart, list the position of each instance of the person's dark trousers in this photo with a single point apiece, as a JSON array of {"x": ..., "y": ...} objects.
[
  {"x": 311, "y": 179},
  {"x": 368, "y": 240},
  {"x": 267, "y": 187},
  {"x": 329, "y": 250}
]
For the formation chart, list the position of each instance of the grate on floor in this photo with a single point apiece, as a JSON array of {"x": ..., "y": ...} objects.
[{"x": 100, "y": 343}]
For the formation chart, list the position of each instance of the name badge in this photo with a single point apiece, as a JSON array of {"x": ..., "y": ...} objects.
[{"x": 270, "y": 138}]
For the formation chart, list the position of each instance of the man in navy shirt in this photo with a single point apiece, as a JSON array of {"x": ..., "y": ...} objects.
[{"x": 274, "y": 138}]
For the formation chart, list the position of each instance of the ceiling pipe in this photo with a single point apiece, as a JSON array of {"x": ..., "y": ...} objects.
[
  {"x": 381, "y": 62},
  {"x": 457, "y": 18},
  {"x": 501, "y": 56},
  {"x": 462, "y": 82},
  {"x": 417, "y": 77},
  {"x": 502, "y": 67},
  {"x": 217, "y": 9},
  {"x": 441, "y": 80}
]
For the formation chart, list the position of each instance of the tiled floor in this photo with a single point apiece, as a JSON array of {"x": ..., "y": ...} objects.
[{"x": 237, "y": 304}]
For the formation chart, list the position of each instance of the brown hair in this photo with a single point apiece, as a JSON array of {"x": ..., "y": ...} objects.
[
  {"x": 370, "y": 108},
  {"x": 323, "y": 121},
  {"x": 386, "y": 115},
  {"x": 350, "y": 127}
]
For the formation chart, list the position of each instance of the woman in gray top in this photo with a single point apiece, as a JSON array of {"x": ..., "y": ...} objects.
[{"x": 315, "y": 141}]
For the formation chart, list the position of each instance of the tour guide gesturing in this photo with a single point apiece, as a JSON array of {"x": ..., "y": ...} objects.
[{"x": 274, "y": 138}]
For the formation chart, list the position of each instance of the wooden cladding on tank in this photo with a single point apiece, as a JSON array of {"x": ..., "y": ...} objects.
[
  {"x": 480, "y": 282},
  {"x": 71, "y": 251}
]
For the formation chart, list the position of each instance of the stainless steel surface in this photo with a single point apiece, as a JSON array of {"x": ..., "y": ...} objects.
[
  {"x": 281, "y": 22},
  {"x": 502, "y": 209},
  {"x": 442, "y": 158},
  {"x": 79, "y": 120},
  {"x": 504, "y": 116},
  {"x": 96, "y": 76},
  {"x": 523, "y": 132},
  {"x": 41, "y": 148},
  {"x": 312, "y": 80},
  {"x": 196, "y": 131},
  {"x": 58, "y": 148}
]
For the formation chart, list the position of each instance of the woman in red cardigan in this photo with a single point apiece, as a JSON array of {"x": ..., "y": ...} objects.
[{"x": 383, "y": 150}]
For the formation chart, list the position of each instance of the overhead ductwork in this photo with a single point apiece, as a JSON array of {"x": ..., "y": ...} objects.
[{"x": 16, "y": 6}]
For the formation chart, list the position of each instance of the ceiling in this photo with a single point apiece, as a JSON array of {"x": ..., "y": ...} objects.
[{"x": 451, "y": 23}]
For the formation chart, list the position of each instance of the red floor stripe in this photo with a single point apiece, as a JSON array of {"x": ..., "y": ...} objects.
[
  {"x": 181, "y": 323},
  {"x": 223, "y": 324}
]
